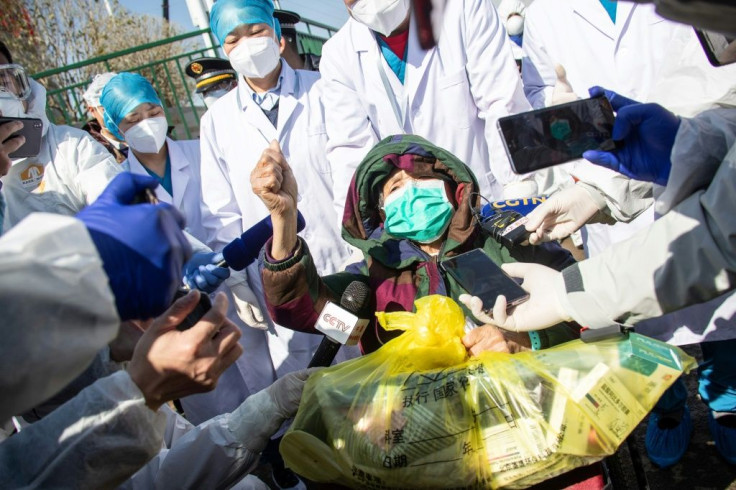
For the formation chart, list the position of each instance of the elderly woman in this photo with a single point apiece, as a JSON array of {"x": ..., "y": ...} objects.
[{"x": 409, "y": 207}]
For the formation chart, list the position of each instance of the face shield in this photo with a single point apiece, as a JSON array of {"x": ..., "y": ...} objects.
[{"x": 14, "y": 82}]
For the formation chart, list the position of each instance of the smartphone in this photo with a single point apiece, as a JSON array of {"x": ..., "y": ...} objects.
[
  {"x": 719, "y": 49},
  {"x": 546, "y": 137},
  {"x": 481, "y": 277},
  {"x": 33, "y": 132}
]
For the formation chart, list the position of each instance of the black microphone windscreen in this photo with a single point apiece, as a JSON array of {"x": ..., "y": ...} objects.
[{"x": 355, "y": 297}]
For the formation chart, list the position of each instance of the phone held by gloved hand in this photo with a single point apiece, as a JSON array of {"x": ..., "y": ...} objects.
[
  {"x": 481, "y": 277},
  {"x": 546, "y": 137}
]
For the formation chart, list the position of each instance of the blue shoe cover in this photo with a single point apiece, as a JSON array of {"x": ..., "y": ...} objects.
[
  {"x": 724, "y": 435},
  {"x": 666, "y": 444}
]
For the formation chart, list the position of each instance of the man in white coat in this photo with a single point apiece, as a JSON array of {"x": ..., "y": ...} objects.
[
  {"x": 273, "y": 105},
  {"x": 379, "y": 81}
]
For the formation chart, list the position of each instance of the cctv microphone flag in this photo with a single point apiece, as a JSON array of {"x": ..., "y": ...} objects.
[{"x": 505, "y": 220}]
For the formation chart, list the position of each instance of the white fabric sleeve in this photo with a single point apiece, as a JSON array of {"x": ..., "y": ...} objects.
[
  {"x": 96, "y": 440},
  {"x": 700, "y": 146},
  {"x": 216, "y": 453},
  {"x": 349, "y": 132},
  {"x": 58, "y": 310},
  {"x": 621, "y": 198},
  {"x": 95, "y": 166},
  {"x": 221, "y": 218},
  {"x": 495, "y": 86},
  {"x": 686, "y": 257}
]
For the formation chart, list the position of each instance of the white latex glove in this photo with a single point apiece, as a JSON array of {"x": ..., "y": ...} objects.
[
  {"x": 261, "y": 415},
  {"x": 561, "y": 215},
  {"x": 562, "y": 92},
  {"x": 543, "y": 308},
  {"x": 246, "y": 301}
]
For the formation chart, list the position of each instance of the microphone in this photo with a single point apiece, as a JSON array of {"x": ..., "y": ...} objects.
[
  {"x": 242, "y": 251},
  {"x": 340, "y": 324}
]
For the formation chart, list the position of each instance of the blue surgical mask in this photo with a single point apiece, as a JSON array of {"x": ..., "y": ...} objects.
[{"x": 419, "y": 211}]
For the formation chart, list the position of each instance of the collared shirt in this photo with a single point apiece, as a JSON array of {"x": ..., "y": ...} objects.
[{"x": 267, "y": 100}]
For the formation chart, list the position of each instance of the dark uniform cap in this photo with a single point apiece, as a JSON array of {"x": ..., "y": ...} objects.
[
  {"x": 207, "y": 71},
  {"x": 287, "y": 19}
]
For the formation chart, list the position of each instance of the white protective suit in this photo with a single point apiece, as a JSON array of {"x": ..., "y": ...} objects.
[
  {"x": 642, "y": 56},
  {"x": 98, "y": 439},
  {"x": 234, "y": 132},
  {"x": 686, "y": 257},
  {"x": 452, "y": 95},
  {"x": 57, "y": 309},
  {"x": 185, "y": 177},
  {"x": 215, "y": 454},
  {"x": 71, "y": 170}
]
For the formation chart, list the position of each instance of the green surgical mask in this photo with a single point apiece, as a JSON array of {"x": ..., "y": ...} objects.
[
  {"x": 560, "y": 129},
  {"x": 419, "y": 211}
]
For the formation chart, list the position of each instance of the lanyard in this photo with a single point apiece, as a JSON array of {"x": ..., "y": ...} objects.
[{"x": 398, "y": 113}]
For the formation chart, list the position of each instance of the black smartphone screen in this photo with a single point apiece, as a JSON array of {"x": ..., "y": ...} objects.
[
  {"x": 546, "y": 137},
  {"x": 481, "y": 277},
  {"x": 32, "y": 131}
]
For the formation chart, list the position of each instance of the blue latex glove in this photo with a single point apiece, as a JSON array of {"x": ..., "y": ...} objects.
[
  {"x": 648, "y": 133},
  {"x": 201, "y": 272},
  {"x": 142, "y": 246}
]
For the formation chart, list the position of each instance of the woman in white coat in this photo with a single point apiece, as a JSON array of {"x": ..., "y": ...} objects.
[
  {"x": 451, "y": 94},
  {"x": 134, "y": 113}
]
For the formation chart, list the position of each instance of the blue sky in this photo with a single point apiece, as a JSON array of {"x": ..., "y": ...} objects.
[{"x": 331, "y": 12}]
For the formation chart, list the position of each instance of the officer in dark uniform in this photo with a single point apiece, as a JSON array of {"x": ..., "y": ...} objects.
[
  {"x": 289, "y": 47},
  {"x": 214, "y": 77}
]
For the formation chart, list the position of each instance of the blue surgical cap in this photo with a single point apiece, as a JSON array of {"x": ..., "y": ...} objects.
[
  {"x": 226, "y": 15},
  {"x": 123, "y": 93}
]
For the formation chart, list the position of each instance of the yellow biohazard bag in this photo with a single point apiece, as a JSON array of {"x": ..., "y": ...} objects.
[{"x": 418, "y": 413}]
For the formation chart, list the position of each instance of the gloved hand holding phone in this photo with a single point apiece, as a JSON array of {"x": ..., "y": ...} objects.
[{"x": 647, "y": 132}]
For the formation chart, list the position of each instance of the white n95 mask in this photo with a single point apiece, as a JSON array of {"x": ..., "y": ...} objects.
[
  {"x": 382, "y": 16},
  {"x": 148, "y": 136},
  {"x": 12, "y": 108},
  {"x": 255, "y": 57}
]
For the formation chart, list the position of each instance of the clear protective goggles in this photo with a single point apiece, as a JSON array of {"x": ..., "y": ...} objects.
[{"x": 14, "y": 82}]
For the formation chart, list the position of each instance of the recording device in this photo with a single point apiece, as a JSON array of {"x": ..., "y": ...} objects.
[
  {"x": 505, "y": 220},
  {"x": 719, "y": 49},
  {"x": 242, "y": 251},
  {"x": 340, "y": 323},
  {"x": 481, "y": 277},
  {"x": 32, "y": 131},
  {"x": 546, "y": 137}
]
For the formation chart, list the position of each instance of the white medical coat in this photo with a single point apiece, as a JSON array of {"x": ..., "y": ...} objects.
[
  {"x": 71, "y": 170},
  {"x": 185, "y": 182},
  {"x": 452, "y": 94},
  {"x": 234, "y": 133}
]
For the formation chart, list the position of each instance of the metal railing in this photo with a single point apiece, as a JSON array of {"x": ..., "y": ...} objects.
[{"x": 163, "y": 63}]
